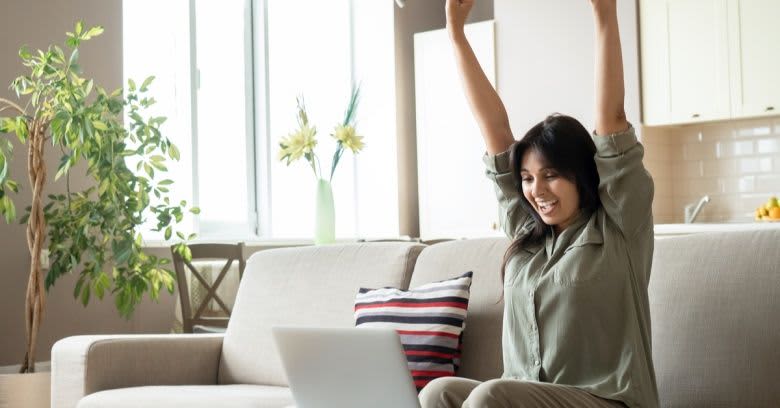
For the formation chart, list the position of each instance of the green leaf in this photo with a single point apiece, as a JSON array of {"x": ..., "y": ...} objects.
[
  {"x": 7, "y": 125},
  {"x": 173, "y": 152},
  {"x": 99, "y": 125},
  {"x": 79, "y": 28},
  {"x": 168, "y": 232},
  {"x": 85, "y": 296},
  {"x": 11, "y": 185},
  {"x": 180, "y": 235},
  {"x": 146, "y": 83},
  {"x": 93, "y": 32},
  {"x": 122, "y": 250},
  {"x": 165, "y": 182},
  {"x": 74, "y": 57},
  {"x": 149, "y": 170},
  {"x": 24, "y": 53},
  {"x": 195, "y": 210},
  {"x": 7, "y": 209},
  {"x": 21, "y": 129},
  {"x": 3, "y": 167},
  {"x": 131, "y": 88},
  {"x": 65, "y": 163}
]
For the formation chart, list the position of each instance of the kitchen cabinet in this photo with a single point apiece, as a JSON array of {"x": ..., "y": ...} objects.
[
  {"x": 756, "y": 58},
  {"x": 706, "y": 60}
]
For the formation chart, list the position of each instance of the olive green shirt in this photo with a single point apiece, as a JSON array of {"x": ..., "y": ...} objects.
[{"x": 576, "y": 310}]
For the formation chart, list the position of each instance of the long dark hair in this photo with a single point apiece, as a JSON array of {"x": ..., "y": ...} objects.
[{"x": 566, "y": 146}]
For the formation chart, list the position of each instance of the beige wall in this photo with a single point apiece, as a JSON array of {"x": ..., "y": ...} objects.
[
  {"x": 417, "y": 16},
  {"x": 736, "y": 163}
]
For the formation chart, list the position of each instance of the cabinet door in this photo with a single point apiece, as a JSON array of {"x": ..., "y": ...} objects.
[
  {"x": 755, "y": 39},
  {"x": 654, "y": 48},
  {"x": 698, "y": 60}
]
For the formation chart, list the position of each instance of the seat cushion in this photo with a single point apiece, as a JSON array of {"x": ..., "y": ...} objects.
[
  {"x": 309, "y": 286},
  {"x": 191, "y": 396}
]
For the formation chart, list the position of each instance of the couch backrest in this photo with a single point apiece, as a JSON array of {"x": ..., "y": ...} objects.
[
  {"x": 308, "y": 286},
  {"x": 715, "y": 309},
  {"x": 481, "y": 354}
]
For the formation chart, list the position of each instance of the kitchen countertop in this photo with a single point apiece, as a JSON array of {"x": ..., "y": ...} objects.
[{"x": 682, "y": 229}]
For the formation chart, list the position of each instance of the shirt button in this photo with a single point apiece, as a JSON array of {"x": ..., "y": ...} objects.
[
  {"x": 530, "y": 293},
  {"x": 533, "y": 327},
  {"x": 536, "y": 362}
]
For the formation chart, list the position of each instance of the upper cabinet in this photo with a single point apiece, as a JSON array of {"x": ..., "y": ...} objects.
[
  {"x": 755, "y": 42},
  {"x": 705, "y": 60}
]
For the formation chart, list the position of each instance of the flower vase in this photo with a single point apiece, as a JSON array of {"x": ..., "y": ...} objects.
[{"x": 325, "y": 218}]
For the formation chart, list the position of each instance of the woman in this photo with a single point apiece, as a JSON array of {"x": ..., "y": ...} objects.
[{"x": 576, "y": 329}]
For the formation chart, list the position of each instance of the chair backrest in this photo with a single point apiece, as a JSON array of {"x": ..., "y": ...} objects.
[{"x": 193, "y": 315}]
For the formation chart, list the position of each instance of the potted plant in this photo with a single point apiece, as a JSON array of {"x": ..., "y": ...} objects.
[{"x": 94, "y": 231}]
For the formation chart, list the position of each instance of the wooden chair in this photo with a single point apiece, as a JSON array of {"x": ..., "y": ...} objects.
[{"x": 198, "y": 322}]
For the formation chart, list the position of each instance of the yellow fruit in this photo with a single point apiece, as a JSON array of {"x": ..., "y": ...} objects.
[
  {"x": 763, "y": 211},
  {"x": 772, "y": 203},
  {"x": 774, "y": 213}
]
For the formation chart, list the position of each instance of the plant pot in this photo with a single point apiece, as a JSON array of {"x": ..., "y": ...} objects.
[
  {"x": 25, "y": 390},
  {"x": 325, "y": 218}
]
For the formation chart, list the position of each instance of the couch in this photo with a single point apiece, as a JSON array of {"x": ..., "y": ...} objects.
[{"x": 715, "y": 304}]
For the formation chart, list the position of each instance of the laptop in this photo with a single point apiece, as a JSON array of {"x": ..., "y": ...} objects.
[{"x": 346, "y": 368}]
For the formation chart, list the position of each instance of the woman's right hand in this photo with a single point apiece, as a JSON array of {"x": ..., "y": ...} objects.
[{"x": 457, "y": 12}]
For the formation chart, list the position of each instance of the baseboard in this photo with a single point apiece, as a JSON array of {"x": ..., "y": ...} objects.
[{"x": 40, "y": 367}]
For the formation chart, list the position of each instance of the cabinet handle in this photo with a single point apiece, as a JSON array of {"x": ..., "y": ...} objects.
[
  {"x": 494, "y": 226},
  {"x": 769, "y": 108},
  {"x": 695, "y": 115}
]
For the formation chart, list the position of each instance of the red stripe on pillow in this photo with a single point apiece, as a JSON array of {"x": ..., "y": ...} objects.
[{"x": 412, "y": 305}]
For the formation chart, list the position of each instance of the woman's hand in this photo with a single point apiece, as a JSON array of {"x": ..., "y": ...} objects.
[
  {"x": 457, "y": 12},
  {"x": 603, "y": 7}
]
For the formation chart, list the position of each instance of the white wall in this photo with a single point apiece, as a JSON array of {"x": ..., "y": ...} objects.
[{"x": 545, "y": 59}]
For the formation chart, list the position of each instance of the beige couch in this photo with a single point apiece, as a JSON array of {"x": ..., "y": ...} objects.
[{"x": 714, "y": 300}]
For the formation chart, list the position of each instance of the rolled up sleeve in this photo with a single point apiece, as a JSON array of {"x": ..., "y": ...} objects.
[
  {"x": 511, "y": 213},
  {"x": 626, "y": 188}
]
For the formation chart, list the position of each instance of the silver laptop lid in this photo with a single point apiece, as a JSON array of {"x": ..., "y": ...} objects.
[{"x": 346, "y": 368}]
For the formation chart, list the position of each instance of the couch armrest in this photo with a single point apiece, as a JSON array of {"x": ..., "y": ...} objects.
[{"x": 82, "y": 365}]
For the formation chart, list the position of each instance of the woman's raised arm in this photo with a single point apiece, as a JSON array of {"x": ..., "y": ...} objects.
[
  {"x": 610, "y": 90},
  {"x": 484, "y": 101}
]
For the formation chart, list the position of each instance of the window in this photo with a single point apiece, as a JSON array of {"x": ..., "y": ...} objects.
[{"x": 227, "y": 75}]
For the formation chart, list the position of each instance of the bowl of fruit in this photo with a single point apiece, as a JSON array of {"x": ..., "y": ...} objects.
[{"x": 769, "y": 211}]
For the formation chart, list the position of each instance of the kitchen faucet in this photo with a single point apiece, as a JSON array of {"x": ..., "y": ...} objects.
[{"x": 692, "y": 210}]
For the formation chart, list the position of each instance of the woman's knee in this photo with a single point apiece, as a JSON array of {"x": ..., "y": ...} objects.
[
  {"x": 446, "y": 392},
  {"x": 494, "y": 393}
]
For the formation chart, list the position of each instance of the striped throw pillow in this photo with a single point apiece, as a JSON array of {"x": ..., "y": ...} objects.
[{"x": 430, "y": 320}]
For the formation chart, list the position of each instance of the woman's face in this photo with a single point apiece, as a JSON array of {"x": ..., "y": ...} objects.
[{"x": 554, "y": 197}]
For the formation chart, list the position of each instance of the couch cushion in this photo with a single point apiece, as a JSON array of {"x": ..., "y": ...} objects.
[
  {"x": 310, "y": 286},
  {"x": 481, "y": 356},
  {"x": 715, "y": 308},
  {"x": 429, "y": 319},
  {"x": 191, "y": 396}
]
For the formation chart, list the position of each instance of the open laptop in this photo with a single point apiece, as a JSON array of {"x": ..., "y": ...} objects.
[{"x": 346, "y": 368}]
